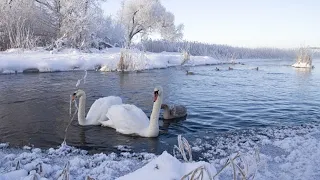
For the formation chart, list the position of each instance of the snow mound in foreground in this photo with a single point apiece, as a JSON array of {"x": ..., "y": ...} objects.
[
  {"x": 285, "y": 153},
  {"x": 166, "y": 167},
  {"x": 49, "y": 164}
]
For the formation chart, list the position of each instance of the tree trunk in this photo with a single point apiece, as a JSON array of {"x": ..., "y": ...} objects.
[{"x": 129, "y": 42}]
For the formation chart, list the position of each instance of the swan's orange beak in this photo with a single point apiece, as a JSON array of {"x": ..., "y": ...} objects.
[
  {"x": 155, "y": 96},
  {"x": 73, "y": 97}
]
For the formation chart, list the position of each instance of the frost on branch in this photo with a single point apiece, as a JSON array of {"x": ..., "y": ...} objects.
[{"x": 148, "y": 16}]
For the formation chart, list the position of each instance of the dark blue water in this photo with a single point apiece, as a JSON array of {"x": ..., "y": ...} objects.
[{"x": 34, "y": 108}]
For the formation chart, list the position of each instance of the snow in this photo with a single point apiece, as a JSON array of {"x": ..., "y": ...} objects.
[
  {"x": 302, "y": 65},
  {"x": 18, "y": 60},
  {"x": 285, "y": 153},
  {"x": 3, "y": 145},
  {"x": 167, "y": 167},
  {"x": 13, "y": 175},
  {"x": 49, "y": 164},
  {"x": 124, "y": 148}
]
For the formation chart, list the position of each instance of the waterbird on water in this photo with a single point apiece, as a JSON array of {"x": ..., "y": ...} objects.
[{"x": 174, "y": 111}]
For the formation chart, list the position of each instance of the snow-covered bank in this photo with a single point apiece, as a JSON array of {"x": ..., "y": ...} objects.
[
  {"x": 17, "y": 61},
  {"x": 286, "y": 153},
  {"x": 50, "y": 163},
  {"x": 302, "y": 65}
]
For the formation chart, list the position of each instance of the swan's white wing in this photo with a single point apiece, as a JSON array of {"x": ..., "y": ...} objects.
[
  {"x": 100, "y": 108},
  {"x": 107, "y": 123},
  {"x": 128, "y": 119}
]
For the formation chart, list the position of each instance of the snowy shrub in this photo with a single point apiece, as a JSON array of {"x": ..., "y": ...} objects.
[
  {"x": 20, "y": 35},
  {"x": 243, "y": 166},
  {"x": 185, "y": 57},
  {"x": 123, "y": 65},
  {"x": 132, "y": 60},
  {"x": 16, "y": 28}
]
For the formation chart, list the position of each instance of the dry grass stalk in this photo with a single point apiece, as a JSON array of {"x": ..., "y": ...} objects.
[
  {"x": 186, "y": 57},
  {"x": 239, "y": 164},
  {"x": 18, "y": 165},
  {"x": 39, "y": 168},
  {"x": 123, "y": 62},
  {"x": 182, "y": 148},
  {"x": 65, "y": 175},
  {"x": 197, "y": 174}
]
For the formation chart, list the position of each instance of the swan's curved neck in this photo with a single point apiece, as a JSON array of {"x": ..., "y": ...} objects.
[
  {"x": 82, "y": 109},
  {"x": 153, "y": 128},
  {"x": 166, "y": 112}
]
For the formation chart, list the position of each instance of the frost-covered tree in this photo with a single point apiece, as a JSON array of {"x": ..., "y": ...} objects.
[
  {"x": 57, "y": 23},
  {"x": 75, "y": 21},
  {"x": 24, "y": 23},
  {"x": 223, "y": 52},
  {"x": 78, "y": 21},
  {"x": 110, "y": 31},
  {"x": 72, "y": 23},
  {"x": 148, "y": 16},
  {"x": 81, "y": 23}
]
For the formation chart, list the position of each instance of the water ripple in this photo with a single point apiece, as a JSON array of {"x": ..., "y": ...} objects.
[{"x": 34, "y": 109}]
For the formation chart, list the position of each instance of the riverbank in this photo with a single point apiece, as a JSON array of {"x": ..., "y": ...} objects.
[
  {"x": 283, "y": 153},
  {"x": 39, "y": 60}
]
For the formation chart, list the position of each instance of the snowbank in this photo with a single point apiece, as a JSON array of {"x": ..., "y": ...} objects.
[
  {"x": 285, "y": 153},
  {"x": 166, "y": 167},
  {"x": 49, "y": 164},
  {"x": 39, "y": 60},
  {"x": 302, "y": 65}
]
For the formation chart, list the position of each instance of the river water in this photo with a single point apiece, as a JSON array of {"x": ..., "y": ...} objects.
[{"x": 34, "y": 108}]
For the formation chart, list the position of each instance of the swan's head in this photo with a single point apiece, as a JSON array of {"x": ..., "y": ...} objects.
[
  {"x": 157, "y": 93},
  {"x": 77, "y": 94},
  {"x": 164, "y": 106}
]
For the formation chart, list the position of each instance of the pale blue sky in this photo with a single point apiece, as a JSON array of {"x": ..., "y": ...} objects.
[{"x": 247, "y": 23}]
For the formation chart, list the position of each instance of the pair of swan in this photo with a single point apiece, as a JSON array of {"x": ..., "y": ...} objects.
[{"x": 125, "y": 118}]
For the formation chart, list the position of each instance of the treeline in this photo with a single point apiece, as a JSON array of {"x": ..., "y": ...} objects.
[
  {"x": 217, "y": 51},
  {"x": 81, "y": 24}
]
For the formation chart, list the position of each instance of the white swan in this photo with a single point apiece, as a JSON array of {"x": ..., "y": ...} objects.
[
  {"x": 129, "y": 119},
  {"x": 97, "y": 111}
]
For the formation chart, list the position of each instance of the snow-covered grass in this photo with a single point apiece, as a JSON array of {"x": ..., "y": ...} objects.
[
  {"x": 50, "y": 163},
  {"x": 304, "y": 58},
  {"x": 285, "y": 153},
  {"x": 302, "y": 65},
  {"x": 18, "y": 60}
]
